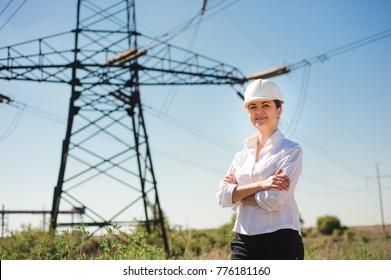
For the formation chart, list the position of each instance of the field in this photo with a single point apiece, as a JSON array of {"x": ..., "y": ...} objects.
[{"x": 356, "y": 243}]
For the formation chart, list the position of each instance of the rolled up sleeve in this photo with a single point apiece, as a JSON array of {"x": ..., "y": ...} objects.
[
  {"x": 224, "y": 190},
  {"x": 224, "y": 195},
  {"x": 290, "y": 161}
]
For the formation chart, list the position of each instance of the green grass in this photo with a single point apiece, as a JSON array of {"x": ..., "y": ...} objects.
[{"x": 369, "y": 243}]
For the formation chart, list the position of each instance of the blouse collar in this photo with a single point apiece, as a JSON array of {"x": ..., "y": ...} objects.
[{"x": 275, "y": 139}]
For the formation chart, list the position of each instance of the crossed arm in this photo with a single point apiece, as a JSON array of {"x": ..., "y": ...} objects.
[{"x": 246, "y": 193}]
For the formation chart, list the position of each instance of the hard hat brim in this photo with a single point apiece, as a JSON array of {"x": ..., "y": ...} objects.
[{"x": 245, "y": 104}]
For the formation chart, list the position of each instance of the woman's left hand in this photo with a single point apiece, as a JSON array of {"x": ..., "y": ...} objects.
[
  {"x": 230, "y": 179},
  {"x": 250, "y": 200}
]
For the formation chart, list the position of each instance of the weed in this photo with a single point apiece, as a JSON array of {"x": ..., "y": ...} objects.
[{"x": 137, "y": 244}]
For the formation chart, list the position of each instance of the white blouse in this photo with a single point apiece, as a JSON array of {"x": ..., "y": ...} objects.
[{"x": 277, "y": 209}]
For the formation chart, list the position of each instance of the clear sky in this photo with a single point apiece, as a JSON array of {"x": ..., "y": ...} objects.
[{"x": 337, "y": 110}]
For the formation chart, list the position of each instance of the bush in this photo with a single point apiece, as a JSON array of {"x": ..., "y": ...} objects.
[
  {"x": 27, "y": 244},
  {"x": 348, "y": 235},
  {"x": 327, "y": 224}
]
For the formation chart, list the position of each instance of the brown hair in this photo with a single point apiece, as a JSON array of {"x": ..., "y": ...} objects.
[{"x": 277, "y": 102}]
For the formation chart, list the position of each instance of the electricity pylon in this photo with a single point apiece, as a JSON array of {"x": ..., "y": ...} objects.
[
  {"x": 105, "y": 152},
  {"x": 106, "y": 158}
]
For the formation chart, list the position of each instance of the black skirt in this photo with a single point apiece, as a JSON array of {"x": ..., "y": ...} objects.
[{"x": 283, "y": 244}]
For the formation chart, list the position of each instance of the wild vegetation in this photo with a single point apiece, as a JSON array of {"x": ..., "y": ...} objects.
[{"x": 369, "y": 243}]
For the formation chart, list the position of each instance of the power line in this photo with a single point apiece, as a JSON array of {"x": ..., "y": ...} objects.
[
  {"x": 342, "y": 49},
  {"x": 330, "y": 114},
  {"x": 321, "y": 58},
  {"x": 20, "y": 6},
  {"x": 300, "y": 103},
  {"x": 317, "y": 148},
  {"x": 168, "y": 100},
  {"x": 14, "y": 123},
  {"x": 179, "y": 29},
  {"x": 23, "y": 107},
  {"x": 38, "y": 112},
  {"x": 222, "y": 8},
  {"x": 251, "y": 36},
  {"x": 6, "y": 6},
  {"x": 187, "y": 161},
  {"x": 306, "y": 63},
  {"x": 58, "y": 119},
  {"x": 300, "y": 190},
  {"x": 344, "y": 189},
  {"x": 190, "y": 129}
]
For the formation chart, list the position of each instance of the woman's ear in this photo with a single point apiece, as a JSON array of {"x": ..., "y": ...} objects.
[{"x": 279, "y": 111}]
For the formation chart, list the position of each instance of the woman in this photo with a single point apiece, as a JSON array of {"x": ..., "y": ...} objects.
[{"x": 261, "y": 181}]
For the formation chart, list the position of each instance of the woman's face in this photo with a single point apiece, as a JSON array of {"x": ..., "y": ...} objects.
[{"x": 264, "y": 114}]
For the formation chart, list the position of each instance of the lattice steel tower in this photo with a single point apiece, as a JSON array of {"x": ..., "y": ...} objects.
[{"x": 106, "y": 158}]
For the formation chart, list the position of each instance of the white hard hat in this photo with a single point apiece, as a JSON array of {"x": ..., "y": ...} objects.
[{"x": 262, "y": 90}]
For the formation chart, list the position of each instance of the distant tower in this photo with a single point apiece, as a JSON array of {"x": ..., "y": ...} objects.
[{"x": 106, "y": 165}]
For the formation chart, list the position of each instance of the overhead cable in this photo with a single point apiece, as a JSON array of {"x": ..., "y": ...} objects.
[
  {"x": 6, "y": 6},
  {"x": 12, "y": 126},
  {"x": 342, "y": 49},
  {"x": 20, "y": 6},
  {"x": 317, "y": 148},
  {"x": 300, "y": 103},
  {"x": 190, "y": 129},
  {"x": 201, "y": 14}
]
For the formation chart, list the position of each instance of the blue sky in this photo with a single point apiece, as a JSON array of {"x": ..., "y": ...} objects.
[{"x": 341, "y": 117}]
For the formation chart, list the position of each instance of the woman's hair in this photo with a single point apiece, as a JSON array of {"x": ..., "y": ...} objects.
[{"x": 277, "y": 102}]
